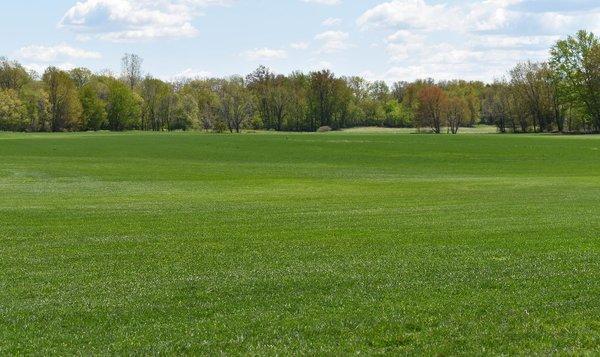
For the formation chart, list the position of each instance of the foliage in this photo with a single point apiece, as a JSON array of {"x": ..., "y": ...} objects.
[
  {"x": 236, "y": 103},
  {"x": 13, "y": 112},
  {"x": 561, "y": 95},
  {"x": 156, "y": 106},
  {"x": 37, "y": 102},
  {"x": 431, "y": 108},
  {"x": 94, "y": 105},
  {"x": 12, "y": 75},
  {"x": 65, "y": 107},
  {"x": 123, "y": 107},
  {"x": 576, "y": 63}
]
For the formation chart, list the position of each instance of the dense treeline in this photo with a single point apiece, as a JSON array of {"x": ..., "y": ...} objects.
[{"x": 562, "y": 94}]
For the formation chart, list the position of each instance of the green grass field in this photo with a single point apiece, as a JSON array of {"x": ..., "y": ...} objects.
[{"x": 337, "y": 243}]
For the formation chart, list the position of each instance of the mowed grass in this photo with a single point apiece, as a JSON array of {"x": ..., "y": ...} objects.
[{"x": 338, "y": 243}]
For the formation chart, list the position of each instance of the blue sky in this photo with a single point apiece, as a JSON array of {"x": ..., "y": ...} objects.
[{"x": 389, "y": 40}]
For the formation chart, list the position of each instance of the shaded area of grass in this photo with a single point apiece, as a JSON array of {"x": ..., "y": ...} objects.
[{"x": 299, "y": 243}]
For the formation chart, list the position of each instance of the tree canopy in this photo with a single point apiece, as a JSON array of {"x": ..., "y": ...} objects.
[{"x": 561, "y": 94}]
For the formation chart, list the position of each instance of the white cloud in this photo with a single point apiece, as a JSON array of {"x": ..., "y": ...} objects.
[
  {"x": 132, "y": 20},
  {"x": 468, "y": 39},
  {"x": 331, "y": 21},
  {"x": 188, "y": 73},
  {"x": 53, "y": 53},
  {"x": 333, "y": 41},
  {"x": 418, "y": 14},
  {"x": 40, "y": 68},
  {"x": 265, "y": 53},
  {"x": 405, "y": 36},
  {"x": 439, "y": 38},
  {"x": 191, "y": 73},
  {"x": 406, "y": 14},
  {"x": 300, "y": 45},
  {"x": 444, "y": 60},
  {"x": 488, "y": 15}
]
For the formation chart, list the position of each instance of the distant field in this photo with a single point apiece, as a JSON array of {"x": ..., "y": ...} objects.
[
  {"x": 336, "y": 243},
  {"x": 479, "y": 129}
]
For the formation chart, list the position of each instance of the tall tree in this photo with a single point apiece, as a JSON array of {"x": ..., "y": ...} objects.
[
  {"x": 80, "y": 76},
  {"x": 379, "y": 91},
  {"x": 576, "y": 62},
  {"x": 456, "y": 110},
  {"x": 12, "y": 75},
  {"x": 298, "y": 112},
  {"x": 236, "y": 103},
  {"x": 131, "y": 67},
  {"x": 261, "y": 82},
  {"x": 123, "y": 107},
  {"x": 205, "y": 94},
  {"x": 321, "y": 98},
  {"x": 532, "y": 84},
  {"x": 431, "y": 108},
  {"x": 398, "y": 90},
  {"x": 13, "y": 112},
  {"x": 185, "y": 113},
  {"x": 498, "y": 106},
  {"x": 279, "y": 98},
  {"x": 156, "y": 95},
  {"x": 94, "y": 105},
  {"x": 36, "y": 100},
  {"x": 65, "y": 107}
]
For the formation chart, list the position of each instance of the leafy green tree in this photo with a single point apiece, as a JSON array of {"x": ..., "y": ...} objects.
[
  {"x": 535, "y": 86},
  {"x": 12, "y": 75},
  {"x": 471, "y": 92},
  {"x": 497, "y": 108},
  {"x": 321, "y": 99},
  {"x": 379, "y": 91},
  {"x": 261, "y": 82},
  {"x": 398, "y": 90},
  {"x": 157, "y": 102},
  {"x": 373, "y": 111},
  {"x": 204, "y": 92},
  {"x": 272, "y": 96},
  {"x": 185, "y": 114},
  {"x": 36, "y": 100},
  {"x": 298, "y": 87},
  {"x": 81, "y": 76},
  {"x": 576, "y": 62},
  {"x": 561, "y": 94},
  {"x": 329, "y": 100},
  {"x": 95, "y": 116},
  {"x": 237, "y": 103},
  {"x": 13, "y": 112},
  {"x": 396, "y": 114},
  {"x": 123, "y": 107},
  {"x": 65, "y": 107}
]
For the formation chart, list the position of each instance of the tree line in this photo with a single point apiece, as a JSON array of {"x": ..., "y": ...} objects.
[{"x": 559, "y": 95}]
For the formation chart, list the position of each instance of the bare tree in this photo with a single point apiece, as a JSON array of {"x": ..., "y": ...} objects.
[{"x": 132, "y": 69}]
